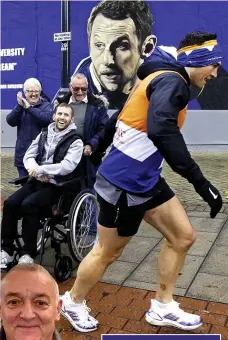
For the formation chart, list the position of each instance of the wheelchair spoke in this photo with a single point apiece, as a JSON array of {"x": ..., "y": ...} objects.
[{"x": 83, "y": 221}]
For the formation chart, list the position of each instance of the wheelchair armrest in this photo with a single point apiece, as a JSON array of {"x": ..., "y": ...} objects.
[
  {"x": 69, "y": 184},
  {"x": 19, "y": 180}
]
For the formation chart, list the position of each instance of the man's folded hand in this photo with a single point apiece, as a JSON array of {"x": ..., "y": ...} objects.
[
  {"x": 43, "y": 178},
  {"x": 33, "y": 171}
]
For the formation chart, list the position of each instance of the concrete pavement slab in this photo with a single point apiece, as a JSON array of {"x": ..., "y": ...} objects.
[
  {"x": 138, "y": 248},
  {"x": 147, "y": 271},
  {"x": 209, "y": 287},
  {"x": 189, "y": 270},
  {"x": 147, "y": 230},
  {"x": 216, "y": 261},
  {"x": 151, "y": 286},
  {"x": 204, "y": 242},
  {"x": 207, "y": 224},
  {"x": 206, "y": 214},
  {"x": 118, "y": 272},
  {"x": 201, "y": 247},
  {"x": 223, "y": 236}
]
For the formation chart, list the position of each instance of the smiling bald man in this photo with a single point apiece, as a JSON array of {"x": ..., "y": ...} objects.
[{"x": 29, "y": 304}]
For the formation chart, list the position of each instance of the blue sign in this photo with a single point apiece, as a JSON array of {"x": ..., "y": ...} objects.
[
  {"x": 161, "y": 337},
  {"x": 28, "y": 48}
]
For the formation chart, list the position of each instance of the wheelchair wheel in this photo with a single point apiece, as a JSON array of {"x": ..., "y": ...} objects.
[
  {"x": 63, "y": 268},
  {"x": 83, "y": 215},
  {"x": 43, "y": 224}
]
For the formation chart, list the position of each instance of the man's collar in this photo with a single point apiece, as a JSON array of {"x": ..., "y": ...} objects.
[
  {"x": 40, "y": 101},
  {"x": 72, "y": 100}
]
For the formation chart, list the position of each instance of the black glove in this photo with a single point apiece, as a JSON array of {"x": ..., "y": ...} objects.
[
  {"x": 210, "y": 195},
  {"x": 96, "y": 158}
]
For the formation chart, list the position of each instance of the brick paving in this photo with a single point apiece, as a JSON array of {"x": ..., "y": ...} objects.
[{"x": 121, "y": 310}]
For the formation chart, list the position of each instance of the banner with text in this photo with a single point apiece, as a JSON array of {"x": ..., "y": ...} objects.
[
  {"x": 31, "y": 45},
  {"x": 161, "y": 336}
]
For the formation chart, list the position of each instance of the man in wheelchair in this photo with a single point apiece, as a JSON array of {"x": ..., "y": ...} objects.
[{"x": 53, "y": 157}]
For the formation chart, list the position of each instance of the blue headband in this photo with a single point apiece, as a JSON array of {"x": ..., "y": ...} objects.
[{"x": 208, "y": 53}]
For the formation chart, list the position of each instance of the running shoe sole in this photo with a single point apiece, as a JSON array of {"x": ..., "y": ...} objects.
[
  {"x": 82, "y": 330},
  {"x": 155, "y": 322}
]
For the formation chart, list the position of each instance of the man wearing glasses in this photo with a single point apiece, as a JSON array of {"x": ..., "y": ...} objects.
[
  {"x": 90, "y": 118},
  {"x": 30, "y": 115}
]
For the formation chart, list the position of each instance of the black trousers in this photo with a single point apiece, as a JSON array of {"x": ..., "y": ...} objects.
[
  {"x": 22, "y": 171},
  {"x": 30, "y": 202}
]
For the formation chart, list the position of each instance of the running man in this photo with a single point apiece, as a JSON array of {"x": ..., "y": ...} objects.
[{"x": 130, "y": 187}]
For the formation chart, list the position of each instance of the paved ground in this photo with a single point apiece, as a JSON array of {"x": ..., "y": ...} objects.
[
  {"x": 214, "y": 165},
  {"x": 121, "y": 310},
  {"x": 202, "y": 284},
  {"x": 205, "y": 274}
]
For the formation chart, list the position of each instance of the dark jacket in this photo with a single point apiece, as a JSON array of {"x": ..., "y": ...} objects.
[
  {"x": 168, "y": 93},
  {"x": 29, "y": 123},
  {"x": 56, "y": 335},
  {"x": 96, "y": 118}
]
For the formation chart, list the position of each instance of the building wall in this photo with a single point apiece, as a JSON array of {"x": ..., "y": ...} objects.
[
  {"x": 206, "y": 129},
  {"x": 37, "y": 55},
  {"x": 40, "y": 56}
]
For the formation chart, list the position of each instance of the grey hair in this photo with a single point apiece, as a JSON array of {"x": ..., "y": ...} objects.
[
  {"x": 32, "y": 268},
  {"x": 79, "y": 76},
  {"x": 32, "y": 82}
]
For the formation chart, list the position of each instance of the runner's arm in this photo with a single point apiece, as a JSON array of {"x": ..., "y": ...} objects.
[
  {"x": 166, "y": 100},
  {"x": 105, "y": 139},
  {"x": 169, "y": 95}
]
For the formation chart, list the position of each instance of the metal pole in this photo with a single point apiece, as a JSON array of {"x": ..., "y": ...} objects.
[{"x": 65, "y": 45}]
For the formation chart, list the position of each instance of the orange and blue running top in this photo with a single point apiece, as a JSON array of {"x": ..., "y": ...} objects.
[{"x": 134, "y": 164}]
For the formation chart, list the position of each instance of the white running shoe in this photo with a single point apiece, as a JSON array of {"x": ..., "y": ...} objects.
[
  {"x": 171, "y": 315},
  {"x": 78, "y": 314},
  {"x": 25, "y": 259},
  {"x": 5, "y": 259}
]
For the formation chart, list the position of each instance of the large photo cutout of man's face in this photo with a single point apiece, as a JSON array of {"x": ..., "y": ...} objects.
[
  {"x": 120, "y": 37},
  {"x": 115, "y": 52}
]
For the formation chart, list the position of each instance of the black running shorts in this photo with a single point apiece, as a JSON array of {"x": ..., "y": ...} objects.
[{"x": 127, "y": 219}]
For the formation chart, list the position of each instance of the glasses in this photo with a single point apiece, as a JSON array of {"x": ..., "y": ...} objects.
[
  {"x": 77, "y": 89},
  {"x": 32, "y": 91}
]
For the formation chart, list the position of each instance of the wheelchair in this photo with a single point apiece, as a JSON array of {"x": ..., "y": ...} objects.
[{"x": 69, "y": 221}]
